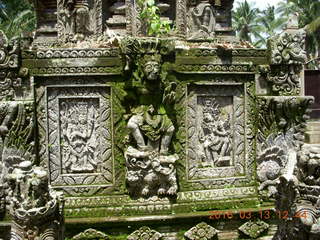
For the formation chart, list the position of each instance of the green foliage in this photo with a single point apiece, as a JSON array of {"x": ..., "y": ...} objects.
[
  {"x": 16, "y": 17},
  {"x": 270, "y": 23},
  {"x": 150, "y": 16},
  {"x": 256, "y": 26}
]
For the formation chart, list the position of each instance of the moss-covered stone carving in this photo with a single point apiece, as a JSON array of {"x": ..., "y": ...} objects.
[
  {"x": 136, "y": 128},
  {"x": 201, "y": 231},
  {"x": 91, "y": 234},
  {"x": 145, "y": 233},
  {"x": 280, "y": 135},
  {"x": 150, "y": 166},
  {"x": 286, "y": 57},
  {"x": 36, "y": 210},
  {"x": 202, "y": 20},
  {"x": 254, "y": 229},
  {"x": 11, "y": 74}
]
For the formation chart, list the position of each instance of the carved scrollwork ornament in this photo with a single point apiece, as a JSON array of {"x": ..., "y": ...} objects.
[
  {"x": 287, "y": 48},
  {"x": 285, "y": 79}
]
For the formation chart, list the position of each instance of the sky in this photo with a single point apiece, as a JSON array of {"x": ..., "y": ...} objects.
[{"x": 262, "y": 4}]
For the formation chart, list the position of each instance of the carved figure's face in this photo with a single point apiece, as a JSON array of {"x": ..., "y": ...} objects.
[
  {"x": 152, "y": 70},
  {"x": 207, "y": 117}
]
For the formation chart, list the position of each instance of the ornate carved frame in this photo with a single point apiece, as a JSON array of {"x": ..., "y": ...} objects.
[
  {"x": 239, "y": 134},
  {"x": 50, "y": 138}
]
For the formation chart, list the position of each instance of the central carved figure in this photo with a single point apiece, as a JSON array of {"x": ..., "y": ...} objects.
[
  {"x": 79, "y": 136},
  {"x": 214, "y": 136},
  {"x": 150, "y": 166}
]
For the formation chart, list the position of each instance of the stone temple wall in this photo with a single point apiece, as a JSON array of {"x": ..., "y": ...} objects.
[{"x": 107, "y": 133}]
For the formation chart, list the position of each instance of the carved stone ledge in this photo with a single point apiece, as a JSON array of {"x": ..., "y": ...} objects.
[
  {"x": 197, "y": 68},
  {"x": 70, "y": 53},
  {"x": 201, "y": 231},
  {"x": 76, "y": 70}
]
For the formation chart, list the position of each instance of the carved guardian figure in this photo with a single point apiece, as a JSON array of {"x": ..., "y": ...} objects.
[
  {"x": 150, "y": 166},
  {"x": 203, "y": 20},
  {"x": 36, "y": 210}
]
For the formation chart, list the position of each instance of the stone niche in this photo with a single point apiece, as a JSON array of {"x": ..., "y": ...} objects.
[{"x": 105, "y": 137}]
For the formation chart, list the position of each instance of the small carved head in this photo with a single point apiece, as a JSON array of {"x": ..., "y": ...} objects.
[{"x": 151, "y": 66}]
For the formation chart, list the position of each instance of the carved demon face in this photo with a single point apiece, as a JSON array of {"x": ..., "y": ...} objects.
[{"x": 151, "y": 70}]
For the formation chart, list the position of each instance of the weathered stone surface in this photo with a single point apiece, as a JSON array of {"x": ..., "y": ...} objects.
[
  {"x": 152, "y": 129},
  {"x": 36, "y": 210},
  {"x": 254, "y": 229},
  {"x": 201, "y": 231},
  {"x": 144, "y": 233},
  {"x": 91, "y": 234}
]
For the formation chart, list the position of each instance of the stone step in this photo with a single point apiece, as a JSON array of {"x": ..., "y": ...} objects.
[
  {"x": 313, "y": 126},
  {"x": 312, "y": 137}
]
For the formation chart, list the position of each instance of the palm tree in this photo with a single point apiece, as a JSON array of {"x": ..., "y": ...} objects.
[
  {"x": 16, "y": 17},
  {"x": 270, "y": 23},
  {"x": 245, "y": 22}
]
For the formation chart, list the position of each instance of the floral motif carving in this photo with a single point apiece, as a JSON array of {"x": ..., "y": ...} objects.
[
  {"x": 91, "y": 234},
  {"x": 254, "y": 229},
  {"x": 201, "y": 231},
  {"x": 145, "y": 233},
  {"x": 285, "y": 79},
  {"x": 286, "y": 57}
]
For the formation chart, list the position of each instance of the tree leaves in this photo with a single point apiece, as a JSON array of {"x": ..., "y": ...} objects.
[
  {"x": 16, "y": 17},
  {"x": 150, "y": 15}
]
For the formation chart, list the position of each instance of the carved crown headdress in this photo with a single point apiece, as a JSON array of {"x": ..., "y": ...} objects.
[{"x": 210, "y": 106}]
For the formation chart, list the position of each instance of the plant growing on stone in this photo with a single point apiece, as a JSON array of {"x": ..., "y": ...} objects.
[{"x": 150, "y": 17}]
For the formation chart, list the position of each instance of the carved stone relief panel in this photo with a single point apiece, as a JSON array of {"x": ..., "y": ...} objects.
[
  {"x": 202, "y": 19},
  {"x": 79, "y": 137},
  {"x": 216, "y": 135},
  {"x": 78, "y": 19}
]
